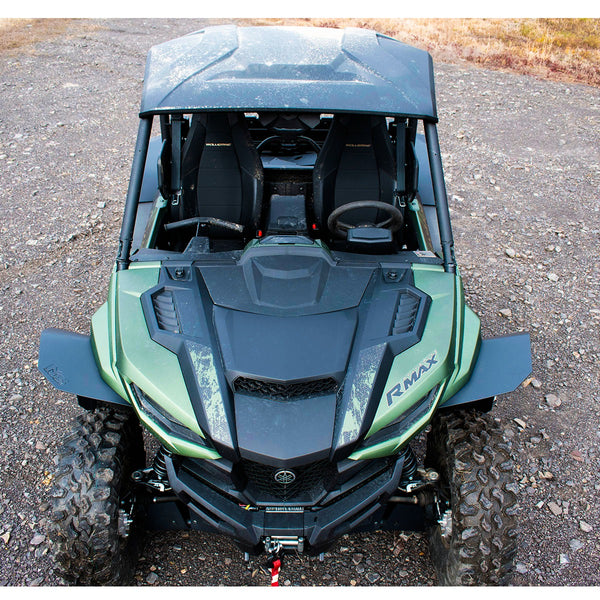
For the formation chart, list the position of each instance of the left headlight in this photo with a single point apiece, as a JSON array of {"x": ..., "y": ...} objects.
[{"x": 164, "y": 420}]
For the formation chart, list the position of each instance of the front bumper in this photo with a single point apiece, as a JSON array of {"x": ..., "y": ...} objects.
[{"x": 215, "y": 492}]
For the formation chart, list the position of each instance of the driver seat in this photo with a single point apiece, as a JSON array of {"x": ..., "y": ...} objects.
[{"x": 355, "y": 163}]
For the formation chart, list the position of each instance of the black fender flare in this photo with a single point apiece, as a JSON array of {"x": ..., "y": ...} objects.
[
  {"x": 67, "y": 361},
  {"x": 503, "y": 363}
]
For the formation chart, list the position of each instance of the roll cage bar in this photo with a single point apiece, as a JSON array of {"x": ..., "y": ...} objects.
[{"x": 137, "y": 173}]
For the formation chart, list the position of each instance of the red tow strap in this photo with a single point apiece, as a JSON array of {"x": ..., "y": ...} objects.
[{"x": 275, "y": 572}]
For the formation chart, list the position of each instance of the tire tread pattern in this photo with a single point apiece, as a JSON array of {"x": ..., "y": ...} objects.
[
  {"x": 94, "y": 464},
  {"x": 475, "y": 461}
]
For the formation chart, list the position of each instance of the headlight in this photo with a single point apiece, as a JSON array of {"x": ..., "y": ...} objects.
[
  {"x": 405, "y": 421},
  {"x": 166, "y": 421}
]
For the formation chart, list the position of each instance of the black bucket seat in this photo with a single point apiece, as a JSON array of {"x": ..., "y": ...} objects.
[
  {"x": 222, "y": 174},
  {"x": 355, "y": 164}
]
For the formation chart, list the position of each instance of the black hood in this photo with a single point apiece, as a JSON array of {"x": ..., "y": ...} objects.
[{"x": 286, "y": 350}]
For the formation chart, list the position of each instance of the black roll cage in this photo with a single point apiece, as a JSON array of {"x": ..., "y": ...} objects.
[{"x": 137, "y": 173}]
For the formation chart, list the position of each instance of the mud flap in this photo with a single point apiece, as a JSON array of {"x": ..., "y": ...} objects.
[
  {"x": 503, "y": 363},
  {"x": 67, "y": 360}
]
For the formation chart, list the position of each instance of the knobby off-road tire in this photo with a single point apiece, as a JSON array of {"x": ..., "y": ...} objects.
[
  {"x": 475, "y": 464},
  {"x": 93, "y": 475}
]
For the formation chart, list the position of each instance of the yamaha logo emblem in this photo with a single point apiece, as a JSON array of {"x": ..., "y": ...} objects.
[{"x": 285, "y": 477}]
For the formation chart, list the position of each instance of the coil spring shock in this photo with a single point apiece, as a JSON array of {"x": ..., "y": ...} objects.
[
  {"x": 155, "y": 477},
  {"x": 410, "y": 466},
  {"x": 159, "y": 465}
]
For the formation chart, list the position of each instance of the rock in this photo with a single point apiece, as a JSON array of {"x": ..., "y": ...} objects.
[
  {"x": 586, "y": 527},
  {"x": 563, "y": 559},
  {"x": 506, "y": 312},
  {"x": 40, "y": 445},
  {"x": 576, "y": 455},
  {"x": 536, "y": 383},
  {"x": 373, "y": 577},
  {"x": 360, "y": 569},
  {"x": 575, "y": 544},
  {"x": 552, "y": 400},
  {"x": 402, "y": 573},
  {"x": 5, "y": 537},
  {"x": 15, "y": 398},
  {"x": 101, "y": 205},
  {"x": 37, "y": 539},
  {"x": 510, "y": 253},
  {"x": 152, "y": 578},
  {"x": 555, "y": 509},
  {"x": 228, "y": 561},
  {"x": 520, "y": 423},
  {"x": 521, "y": 568},
  {"x": 552, "y": 277},
  {"x": 357, "y": 558}
]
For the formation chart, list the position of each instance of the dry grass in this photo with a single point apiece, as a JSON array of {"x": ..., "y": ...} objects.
[
  {"x": 563, "y": 49},
  {"x": 21, "y": 35}
]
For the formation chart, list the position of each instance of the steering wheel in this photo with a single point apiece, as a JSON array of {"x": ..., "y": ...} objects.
[{"x": 340, "y": 229}]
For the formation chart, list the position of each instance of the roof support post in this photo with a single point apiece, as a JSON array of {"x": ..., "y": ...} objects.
[
  {"x": 439, "y": 192},
  {"x": 133, "y": 192}
]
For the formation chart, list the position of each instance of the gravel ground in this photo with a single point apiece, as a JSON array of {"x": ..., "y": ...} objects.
[{"x": 522, "y": 161}]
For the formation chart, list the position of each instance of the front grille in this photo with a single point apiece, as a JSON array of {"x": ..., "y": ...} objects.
[
  {"x": 310, "y": 480},
  {"x": 285, "y": 390}
]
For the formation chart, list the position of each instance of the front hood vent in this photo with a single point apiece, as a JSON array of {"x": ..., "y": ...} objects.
[
  {"x": 285, "y": 390},
  {"x": 406, "y": 312},
  {"x": 166, "y": 313}
]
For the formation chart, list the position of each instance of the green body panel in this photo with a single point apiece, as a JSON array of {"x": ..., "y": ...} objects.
[
  {"x": 101, "y": 345},
  {"x": 453, "y": 343},
  {"x": 128, "y": 354},
  {"x": 467, "y": 353}
]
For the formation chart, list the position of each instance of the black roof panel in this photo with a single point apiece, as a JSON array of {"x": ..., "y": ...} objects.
[{"x": 300, "y": 69}]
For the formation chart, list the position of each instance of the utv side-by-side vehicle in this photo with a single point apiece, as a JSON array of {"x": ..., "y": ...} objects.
[{"x": 285, "y": 317}]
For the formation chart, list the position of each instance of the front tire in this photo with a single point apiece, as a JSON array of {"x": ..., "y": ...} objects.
[
  {"x": 472, "y": 539},
  {"x": 95, "y": 462}
]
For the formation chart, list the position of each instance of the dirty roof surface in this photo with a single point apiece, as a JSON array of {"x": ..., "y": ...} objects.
[{"x": 300, "y": 69}]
